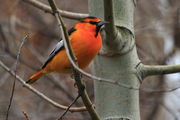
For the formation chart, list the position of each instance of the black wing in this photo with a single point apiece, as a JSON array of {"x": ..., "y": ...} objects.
[{"x": 59, "y": 46}]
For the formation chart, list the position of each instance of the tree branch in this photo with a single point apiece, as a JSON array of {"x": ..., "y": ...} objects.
[
  {"x": 149, "y": 70},
  {"x": 25, "y": 115},
  {"x": 14, "y": 82},
  {"x": 46, "y": 8},
  {"x": 41, "y": 95},
  {"x": 118, "y": 30},
  {"x": 113, "y": 37},
  {"x": 79, "y": 82},
  {"x": 75, "y": 100}
]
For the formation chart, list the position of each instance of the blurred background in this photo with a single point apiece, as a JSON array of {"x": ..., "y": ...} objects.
[{"x": 157, "y": 28}]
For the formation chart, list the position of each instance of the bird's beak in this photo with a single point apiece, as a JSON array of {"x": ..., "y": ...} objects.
[{"x": 101, "y": 23}]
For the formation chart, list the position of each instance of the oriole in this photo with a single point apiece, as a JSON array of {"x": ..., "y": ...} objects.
[{"x": 86, "y": 42}]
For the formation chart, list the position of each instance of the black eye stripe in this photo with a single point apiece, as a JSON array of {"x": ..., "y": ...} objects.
[{"x": 92, "y": 22}]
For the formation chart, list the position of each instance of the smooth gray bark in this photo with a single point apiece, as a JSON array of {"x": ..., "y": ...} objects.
[{"x": 114, "y": 102}]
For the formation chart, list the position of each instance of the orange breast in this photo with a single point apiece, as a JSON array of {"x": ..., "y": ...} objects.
[{"x": 85, "y": 47}]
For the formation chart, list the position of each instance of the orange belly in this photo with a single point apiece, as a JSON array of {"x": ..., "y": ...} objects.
[
  {"x": 61, "y": 64},
  {"x": 85, "y": 49},
  {"x": 84, "y": 54}
]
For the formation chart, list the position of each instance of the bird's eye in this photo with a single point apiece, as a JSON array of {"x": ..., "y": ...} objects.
[{"x": 92, "y": 22}]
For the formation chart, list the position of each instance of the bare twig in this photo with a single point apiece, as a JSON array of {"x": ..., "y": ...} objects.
[
  {"x": 46, "y": 8},
  {"x": 81, "y": 88},
  {"x": 69, "y": 107},
  {"x": 14, "y": 83},
  {"x": 26, "y": 116},
  {"x": 41, "y": 95}
]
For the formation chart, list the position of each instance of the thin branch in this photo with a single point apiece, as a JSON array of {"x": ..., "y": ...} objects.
[
  {"x": 149, "y": 70},
  {"x": 69, "y": 107},
  {"x": 26, "y": 116},
  {"x": 14, "y": 82},
  {"x": 41, "y": 95},
  {"x": 79, "y": 82},
  {"x": 46, "y": 8}
]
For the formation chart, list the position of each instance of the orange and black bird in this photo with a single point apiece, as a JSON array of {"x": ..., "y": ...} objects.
[{"x": 86, "y": 42}]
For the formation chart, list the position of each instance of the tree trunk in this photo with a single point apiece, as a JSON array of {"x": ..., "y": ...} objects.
[{"x": 114, "y": 102}]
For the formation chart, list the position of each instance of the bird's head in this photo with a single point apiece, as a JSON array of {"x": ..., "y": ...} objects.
[{"x": 94, "y": 23}]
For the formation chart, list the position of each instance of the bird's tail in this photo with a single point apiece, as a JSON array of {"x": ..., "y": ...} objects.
[{"x": 35, "y": 77}]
